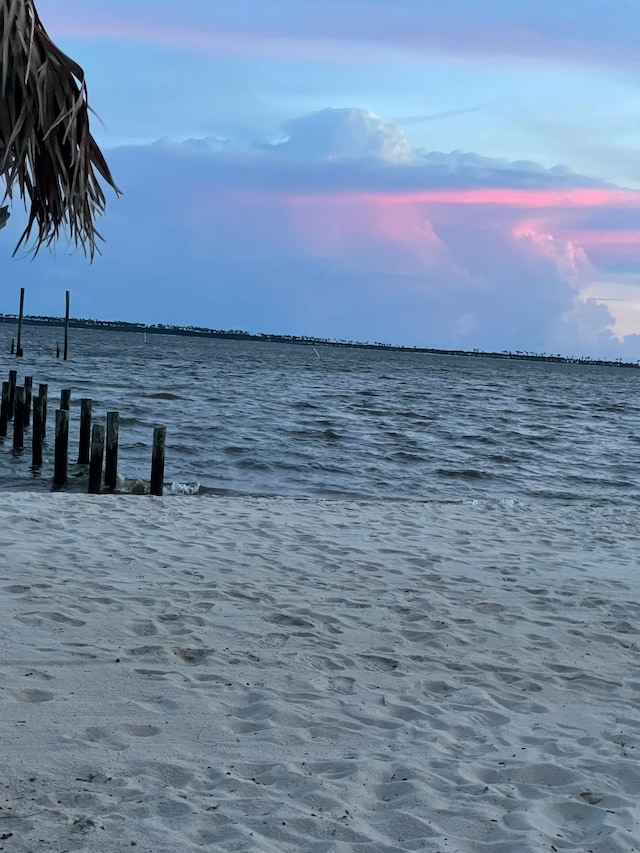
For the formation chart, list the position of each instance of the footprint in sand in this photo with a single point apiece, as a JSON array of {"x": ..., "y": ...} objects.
[
  {"x": 291, "y": 621},
  {"x": 170, "y": 808},
  {"x": 144, "y": 629},
  {"x": 139, "y": 730},
  {"x": 341, "y": 684},
  {"x": 489, "y": 607},
  {"x": 155, "y": 652},
  {"x": 153, "y": 674},
  {"x": 334, "y": 684},
  {"x": 32, "y": 695},
  {"x": 39, "y": 617},
  {"x": 113, "y": 736},
  {"x": 378, "y": 662},
  {"x": 193, "y": 656}
]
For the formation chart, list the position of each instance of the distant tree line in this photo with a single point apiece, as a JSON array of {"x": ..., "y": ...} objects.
[{"x": 240, "y": 335}]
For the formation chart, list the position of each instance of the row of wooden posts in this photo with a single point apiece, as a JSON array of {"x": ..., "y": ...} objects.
[
  {"x": 18, "y": 351},
  {"x": 97, "y": 446},
  {"x": 16, "y": 347}
]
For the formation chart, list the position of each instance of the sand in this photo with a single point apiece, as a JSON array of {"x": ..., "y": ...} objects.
[{"x": 183, "y": 674}]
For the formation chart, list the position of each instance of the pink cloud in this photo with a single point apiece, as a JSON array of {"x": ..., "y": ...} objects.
[
  {"x": 403, "y": 231},
  {"x": 419, "y": 235},
  {"x": 608, "y": 248},
  {"x": 476, "y": 258},
  {"x": 525, "y": 199},
  {"x": 594, "y": 238},
  {"x": 398, "y": 239},
  {"x": 569, "y": 258}
]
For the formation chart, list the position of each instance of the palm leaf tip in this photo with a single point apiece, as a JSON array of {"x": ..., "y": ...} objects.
[{"x": 47, "y": 151}]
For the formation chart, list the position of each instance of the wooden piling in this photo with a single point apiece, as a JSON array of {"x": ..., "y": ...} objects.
[
  {"x": 4, "y": 409},
  {"x": 28, "y": 394},
  {"x": 57, "y": 350},
  {"x": 66, "y": 326},
  {"x": 65, "y": 398},
  {"x": 157, "y": 461},
  {"x": 85, "y": 431},
  {"x": 97, "y": 456},
  {"x": 13, "y": 346},
  {"x": 111, "y": 458},
  {"x": 43, "y": 393},
  {"x": 61, "y": 447},
  {"x": 13, "y": 379},
  {"x": 19, "y": 341},
  {"x": 36, "y": 434},
  {"x": 18, "y": 420}
]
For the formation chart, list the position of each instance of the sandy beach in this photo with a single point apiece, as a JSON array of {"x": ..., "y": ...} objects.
[{"x": 183, "y": 674}]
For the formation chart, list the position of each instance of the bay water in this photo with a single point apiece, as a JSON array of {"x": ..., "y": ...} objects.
[{"x": 293, "y": 420}]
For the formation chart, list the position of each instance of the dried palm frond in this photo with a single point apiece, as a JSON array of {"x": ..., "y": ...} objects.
[{"x": 46, "y": 148}]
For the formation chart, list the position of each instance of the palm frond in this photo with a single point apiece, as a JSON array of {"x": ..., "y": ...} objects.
[{"x": 46, "y": 148}]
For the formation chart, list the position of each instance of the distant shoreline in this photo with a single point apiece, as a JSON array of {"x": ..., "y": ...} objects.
[{"x": 236, "y": 334}]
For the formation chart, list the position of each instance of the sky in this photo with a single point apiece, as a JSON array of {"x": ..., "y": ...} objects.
[{"x": 454, "y": 175}]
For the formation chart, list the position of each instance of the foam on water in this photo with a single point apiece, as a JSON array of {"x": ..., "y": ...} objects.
[{"x": 184, "y": 488}]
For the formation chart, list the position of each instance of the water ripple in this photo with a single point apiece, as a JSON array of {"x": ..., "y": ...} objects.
[{"x": 269, "y": 419}]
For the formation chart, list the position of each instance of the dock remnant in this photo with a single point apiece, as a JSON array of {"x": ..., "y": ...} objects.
[{"x": 157, "y": 461}]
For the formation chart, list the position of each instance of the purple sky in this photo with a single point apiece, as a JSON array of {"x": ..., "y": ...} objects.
[{"x": 455, "y": 175}]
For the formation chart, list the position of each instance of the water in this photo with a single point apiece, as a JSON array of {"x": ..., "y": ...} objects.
[{"x": 268, "y": 419}]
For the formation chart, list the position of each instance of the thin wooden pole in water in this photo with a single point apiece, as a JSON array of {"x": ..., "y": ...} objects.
[
  {"x": 65, "y": 398},
  {"x": 85, "y": 431},
  {"x": 28, "y": 393},
  {"x": 66, "y": 326},
  {"x": 111, "y": 458},
  {"x": 18, "y": 420},
  {"x": 4, "y": 409},
  {"x": 19, "y": 341},
  {"x": 97, "y": 455},
  {"x": 61, "y": 447},
  {"x": 36, "y": 434},
  {"x": 157, "y": 461},
  {"x": 43, "y": 393},
  {"x": 13, "y": 380}
]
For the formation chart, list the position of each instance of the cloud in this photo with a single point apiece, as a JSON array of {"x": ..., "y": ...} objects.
[
  {"x": 343, "y": 229},
  {"x": 409, "y": 120},
  {"x": 350, "y": 151},
  {"x": 344, "y": 134},
  {"x": 359, "y": 30}
]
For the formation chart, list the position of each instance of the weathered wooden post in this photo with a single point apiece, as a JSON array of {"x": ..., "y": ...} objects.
[
  {"x": 4, "y": 409},
  {"x": 65, "y": 398},
  {"x": 61, "y": 447},
  {"x": 57, "y": 350},
  {"x": 18, "y": 420},
  {"x": 97, "y": 456},
  {"x": 28, "y": 393},
  {"x": 13, "y": 346},
  {"x": 157, "y": 461},
  {"x": 19, "y": 341},
  {"x": 85, "y": 431},
  {"x": 43, "y": 393},
  {"x": 111, "y": 458},
  {"x": 13, "y": 380},
  {"x": 66, "y": 327},
  {"x": 36, "y": 434}
]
